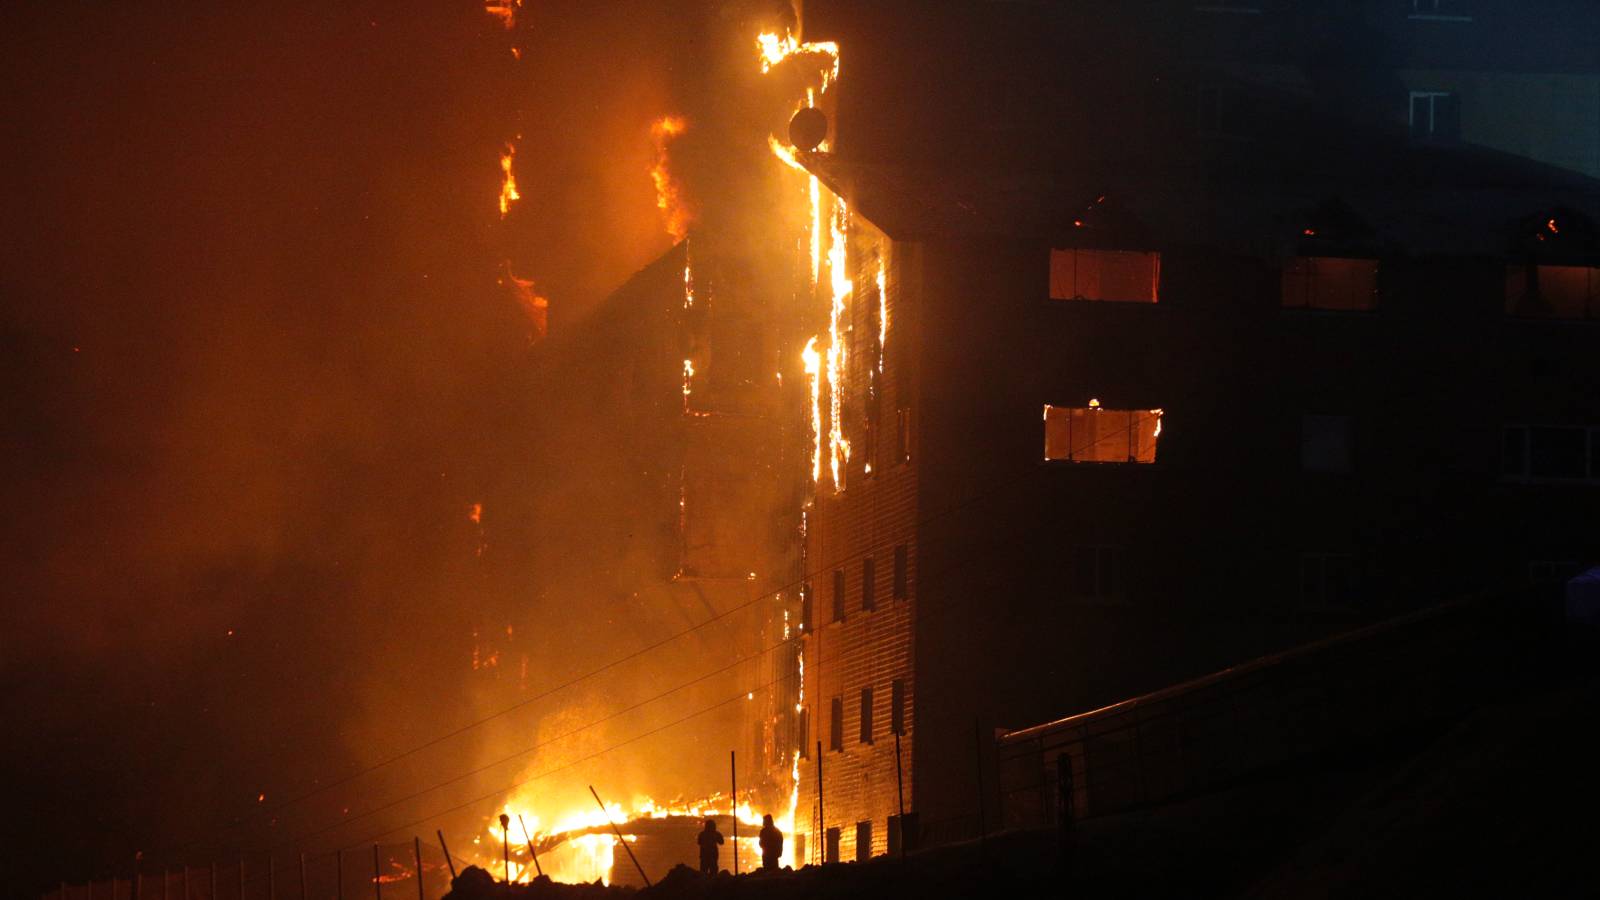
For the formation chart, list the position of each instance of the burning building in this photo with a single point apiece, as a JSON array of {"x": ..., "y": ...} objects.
[{"x": 1104, "y": 395}]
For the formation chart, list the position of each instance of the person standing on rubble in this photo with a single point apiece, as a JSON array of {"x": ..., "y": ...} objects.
[
  {"x": 771, "y": 844},
  {"x": 710, "y": 839}
]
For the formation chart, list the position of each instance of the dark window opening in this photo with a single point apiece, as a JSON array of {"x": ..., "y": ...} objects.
[
  {"x": 833, "y": 846},
  {"x": 802, "y": 727},
  {"x": 902, "y": 572},
  {"x": 1435, "y": 115},
  {"x": 902, "y": 434},
  {"x": 838, "y": 595},
  {"x": 807, "y": 608},
  {"x": 869, "y": 584},
  {"x": 866, "y": 715},
  {"x": 1328, "y": 579},
  {"x": 897, "y": 707},
  {"x": 863, "y": 841},
  {"x": 1327, "y": 443},
  {"x": 836, "y": 724},
  {"x": 1097, "y": 573}
]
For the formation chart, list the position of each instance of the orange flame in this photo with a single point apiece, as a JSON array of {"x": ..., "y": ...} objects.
[
  {"x": 504, "y": 10},
  {"x": 813, "y": 368},
  {"x": 669, "y": 193},
  {"x": 536, "y": 307},
  {"x": 508, "y": 181},
  {"x": 774, "y": 50}
]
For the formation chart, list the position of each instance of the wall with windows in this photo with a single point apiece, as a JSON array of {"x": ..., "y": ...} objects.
[
  {"x": 863, "y": 564},
  {"x": 1552, "y": 117}
]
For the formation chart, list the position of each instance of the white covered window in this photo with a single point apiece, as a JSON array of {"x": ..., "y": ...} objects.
[
  {"x": 1330, "y": 282},
  {"x": 1553, "y": 292},
  {"x": 1128, "y": 276}
]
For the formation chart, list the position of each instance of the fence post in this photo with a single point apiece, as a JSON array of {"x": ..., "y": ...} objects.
[
  {"x": 822, "y": 820},
  {"x": 733, "y": 803},
  {"x": 900, "y": 794},
  {"x": 977, "y": 735},
  {"x": 416, "y": 850}
]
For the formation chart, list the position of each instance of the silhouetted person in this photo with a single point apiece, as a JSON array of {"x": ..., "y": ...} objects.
[
  {"x": 710, "y": 839},
  {"x": 771, "y": 844}
]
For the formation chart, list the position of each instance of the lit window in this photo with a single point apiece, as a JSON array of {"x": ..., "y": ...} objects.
[
  {"x": 1326, "y": 443},
  {"x": 1327, "y": 579},
  {"x": 1121, "y": 275},
  {"x": 1435, "y": 114},
  {"x": 1553, "y": 292},
  {"x": 1095, "y": 434},
  {"x": 1097, "y": 573},
  {"x": 1330, "y": 282}
]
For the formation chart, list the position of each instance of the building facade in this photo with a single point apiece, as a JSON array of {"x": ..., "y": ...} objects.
[{"x": 1127, "y": 398}]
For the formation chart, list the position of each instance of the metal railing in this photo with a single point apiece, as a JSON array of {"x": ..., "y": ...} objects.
[{"x": 1350, "y": 694}]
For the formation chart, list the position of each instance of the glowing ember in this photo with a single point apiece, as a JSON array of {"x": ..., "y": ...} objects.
[
  {"x": 669, "y": 193},
  {"x": 508, "y": 181},
  {"x": 504, "y": 10},
  {"x": 475, "y": 513}
]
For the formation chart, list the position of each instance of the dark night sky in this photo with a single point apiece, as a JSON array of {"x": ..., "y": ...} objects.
[{"x": 254, "y": 360}]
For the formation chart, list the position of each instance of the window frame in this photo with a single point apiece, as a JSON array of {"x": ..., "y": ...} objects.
[
  {"x": 1432, "y": 96},
  {"x": 1078, "y": 298},
  {"x": 1284, "y": 275},
  {"x": 836, "y": 724},
  {"x": 1523, "y": 474},
  {"x": 1591, "y": 305},
  {"x": 869, "y": 584},
  {"x": 1135, "y": 417}
]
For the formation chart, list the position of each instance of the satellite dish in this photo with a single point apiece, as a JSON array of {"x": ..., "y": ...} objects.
[{"x": 808, "y": 128}]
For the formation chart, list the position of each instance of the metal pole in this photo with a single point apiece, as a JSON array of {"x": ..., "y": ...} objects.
[
  {"x": 531, "y": 851},
  {"x": 822, "y": 820},
  {"x": 377, "y": 873},
  {"x": 733, "y": 801},
  {"x": 416, "y": 853},
  {"x": 302, "y": 876},
  {"x": 448, "y": 859},
  {"x": 505, "y": 844},
  {"x": 977, "y": 736},
  {"x": 900, "y": 794},
  {"x": 619, "y": 837}
]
